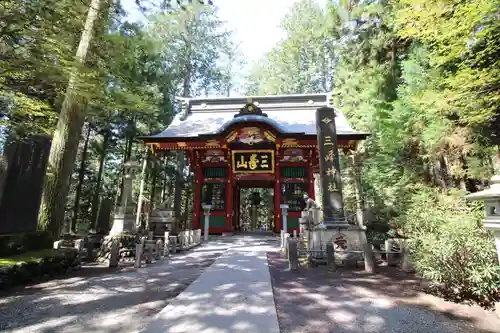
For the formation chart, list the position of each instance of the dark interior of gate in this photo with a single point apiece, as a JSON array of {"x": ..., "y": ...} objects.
[{"x": 249, "y": 156}]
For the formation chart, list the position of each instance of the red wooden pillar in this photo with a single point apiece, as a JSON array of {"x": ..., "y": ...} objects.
[
  {"x": 277, "y": 191},
  {"x": 198, "y": 176},
  {"x": 229, "y": 194},
  {"x": 310, "y": 174}
]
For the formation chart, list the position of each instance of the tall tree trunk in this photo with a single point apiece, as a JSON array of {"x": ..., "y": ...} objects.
[
  {"x": 179, "y": 181},
  {"x": 66, "y": 137},
  {"x": 81, "y": 176},
  {"x": 97, "y": 188}
]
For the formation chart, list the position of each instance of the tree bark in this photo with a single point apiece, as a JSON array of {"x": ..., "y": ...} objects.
[
  {"x": 81, "y": 176},
  {"x": 97, "y": 188},
  {"x": 66, "y": 137}
]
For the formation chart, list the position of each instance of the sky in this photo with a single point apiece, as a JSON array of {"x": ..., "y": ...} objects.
[{"x": 255, "y": 22}]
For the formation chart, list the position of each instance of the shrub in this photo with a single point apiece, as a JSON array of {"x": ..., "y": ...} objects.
[{"x": 451, "y": 249}]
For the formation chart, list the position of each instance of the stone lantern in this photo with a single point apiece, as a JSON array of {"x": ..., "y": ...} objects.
[
  {"x": 124, "y": 219},
  {"x": 206, "y": 208},
  {"x": 491, "y": 198}
]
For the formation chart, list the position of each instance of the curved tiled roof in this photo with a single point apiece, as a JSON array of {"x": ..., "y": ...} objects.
[{"x": 288, "y": 114}]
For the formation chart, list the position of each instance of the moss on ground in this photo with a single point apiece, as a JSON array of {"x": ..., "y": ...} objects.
[{"x": 32, "y": 256}]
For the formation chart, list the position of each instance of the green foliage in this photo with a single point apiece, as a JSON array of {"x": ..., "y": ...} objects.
[
  {"x": 451, "y": 249},
  {"x": 37, "y": 41},
  {"x": 304, "y": 61},
  {"x": 409, "y": 74}
]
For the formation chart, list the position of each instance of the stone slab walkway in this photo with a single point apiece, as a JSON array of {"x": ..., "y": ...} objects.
[
  {"x": 233, "y": 295},
  {"x": 114, "y": 302}
]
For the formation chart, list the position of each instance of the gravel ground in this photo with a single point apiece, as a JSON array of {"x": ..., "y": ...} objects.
[
  {"x": 317, "y": 300},
  {"x": 123, "y": 301}
]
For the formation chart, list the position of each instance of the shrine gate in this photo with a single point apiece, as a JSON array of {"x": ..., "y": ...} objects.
[{"x": 249, "y": 142}]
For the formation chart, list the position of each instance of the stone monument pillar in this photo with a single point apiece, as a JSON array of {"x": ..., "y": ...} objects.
[
  {"x": 329, "y": 168},
  {"x": 124, "y": 218},
  {"x": 348, "y": 241},
  {"x": 122, "y": 234}
]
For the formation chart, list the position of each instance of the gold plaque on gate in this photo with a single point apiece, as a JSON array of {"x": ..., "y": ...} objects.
[{"x": 253, "y": 161}]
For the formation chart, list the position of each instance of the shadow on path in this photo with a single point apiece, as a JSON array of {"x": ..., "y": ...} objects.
[
  {"x": 322, "y": 301},
  {"x": 120, "y": 301}
]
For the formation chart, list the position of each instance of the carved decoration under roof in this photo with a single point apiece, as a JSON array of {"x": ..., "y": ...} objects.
[
  {"x": 293, "y": 155},
  {"x": 251, "y": 135},
  {"x": 250, "y": 109},
  {"x": 213, "y": 156},
  {"x": 212, "y": 144},
  {"x": 290, "y": 142}
]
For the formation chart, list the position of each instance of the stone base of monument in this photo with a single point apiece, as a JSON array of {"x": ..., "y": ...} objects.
[
  {"x": 347, "y": 241},
  {"x": 123, "y": 223},
  {"x": 126, "y": 248}
]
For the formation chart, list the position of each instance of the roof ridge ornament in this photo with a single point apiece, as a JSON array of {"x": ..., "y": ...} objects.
[{"x": 250, "y": 109}]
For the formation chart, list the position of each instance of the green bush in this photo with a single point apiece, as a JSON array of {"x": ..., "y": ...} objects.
[{"x": 451, "y": 249}]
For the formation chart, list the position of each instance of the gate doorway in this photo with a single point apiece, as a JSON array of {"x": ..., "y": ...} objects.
[{"x": 254, "y": 206}]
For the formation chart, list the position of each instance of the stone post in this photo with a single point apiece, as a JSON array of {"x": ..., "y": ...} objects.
[
  {"x": 368, "y": 256},
  {"x": 114, "y": 253},
  {"x": 166, "y": 246},
  {"x": 182, "y": 240},
  {"x": 206, "y": 208},
  {"x": 293, "y": 259},
  {"x": 159, "y": 246},
  {"x": 138, "y": 255},
  {"x": 388, "y": 251},
  {"x": 405, "y": 260},
  {"x": 284, "y": 213},
  {"x": 282, "y": 238},
  {"x": 79, "y": 245},
  {"x": 173, "y": 243},
  {"x": 287, "y": 237}
]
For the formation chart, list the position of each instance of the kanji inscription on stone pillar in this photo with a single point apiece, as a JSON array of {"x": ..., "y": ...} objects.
[{"x": 329, "y": 167}]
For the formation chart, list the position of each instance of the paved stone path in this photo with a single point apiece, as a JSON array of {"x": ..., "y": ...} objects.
[
  {"x": 235, "y": 294},
  {"x": 120, "y": 302},
  {"x": 232, "y": 295},
  {"x": 317, "y": 300}
]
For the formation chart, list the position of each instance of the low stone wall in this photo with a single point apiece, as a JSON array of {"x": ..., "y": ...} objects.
[
  {"x": 60, "y": 262},
  {"x": 126, "y": 248}
]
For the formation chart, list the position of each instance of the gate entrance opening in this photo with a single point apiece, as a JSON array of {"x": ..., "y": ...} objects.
[{"x": 254, "y": 206}]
